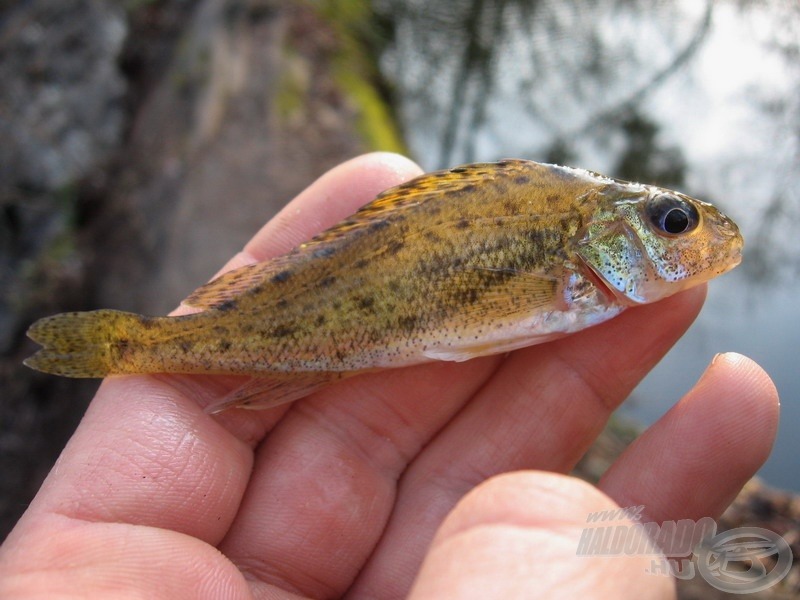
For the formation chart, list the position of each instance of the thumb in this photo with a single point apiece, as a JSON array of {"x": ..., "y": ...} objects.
[{"x": 518, "y": 535}]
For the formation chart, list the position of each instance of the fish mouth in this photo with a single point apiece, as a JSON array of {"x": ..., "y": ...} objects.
[
  {"x": 611, "y": 294},
  {"x": 729, "y": 234}
]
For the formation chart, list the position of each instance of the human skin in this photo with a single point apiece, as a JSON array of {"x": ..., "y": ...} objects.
[{"x": 443, "y": 480}]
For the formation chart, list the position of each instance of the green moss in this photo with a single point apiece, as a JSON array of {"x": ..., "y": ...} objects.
[
  {"x": 292, "y": 89},
  {"x": 376, "y": 123},
  {"x": 355, "y": 71}
]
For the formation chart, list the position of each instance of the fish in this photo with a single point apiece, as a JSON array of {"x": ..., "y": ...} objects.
[{"x": 475, "y": 260}]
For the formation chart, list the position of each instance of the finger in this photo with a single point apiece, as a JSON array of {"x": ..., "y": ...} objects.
[
  {"x": 696, "y": 458},
  {"x": 146, "y": 454},
  {"x": 68, "y": 558},
  {"x": 324, "y": 482},
  {"x": 541, "y": 410},
  {"x": 517, "y": 536}
]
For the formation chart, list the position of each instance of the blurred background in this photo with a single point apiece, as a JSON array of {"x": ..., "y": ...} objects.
[{"x": 142, "y": 142}]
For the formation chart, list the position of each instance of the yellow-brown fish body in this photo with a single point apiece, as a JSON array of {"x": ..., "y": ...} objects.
[{"x": 455, "y": 264}]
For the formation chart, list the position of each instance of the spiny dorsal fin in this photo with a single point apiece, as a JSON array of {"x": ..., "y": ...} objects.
[
  {"x": 422, "y": 189},
  {"x": 375, "y": 214}
]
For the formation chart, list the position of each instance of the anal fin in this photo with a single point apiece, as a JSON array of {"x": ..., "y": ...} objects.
[{"x": 261, "y": 392}]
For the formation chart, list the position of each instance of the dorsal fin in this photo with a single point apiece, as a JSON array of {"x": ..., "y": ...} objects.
[
  {"x": 419, "y": 190},
  {"x": 387, "y": 204},
  {"x": 229, "y": 285}
]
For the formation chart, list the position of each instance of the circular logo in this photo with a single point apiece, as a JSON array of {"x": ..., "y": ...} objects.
[{"x": 744, "y": 560}]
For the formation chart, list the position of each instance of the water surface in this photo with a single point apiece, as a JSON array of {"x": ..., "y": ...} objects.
[{"x": 700, "y": 96}]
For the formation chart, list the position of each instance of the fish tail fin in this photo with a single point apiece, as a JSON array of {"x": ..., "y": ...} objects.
[{"x": 88, "y": 344}]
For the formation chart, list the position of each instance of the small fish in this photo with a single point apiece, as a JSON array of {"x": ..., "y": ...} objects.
[{"x": 476, "y": 260}]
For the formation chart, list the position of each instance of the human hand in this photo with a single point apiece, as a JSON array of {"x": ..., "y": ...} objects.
[{"x": 342, "y": 493}]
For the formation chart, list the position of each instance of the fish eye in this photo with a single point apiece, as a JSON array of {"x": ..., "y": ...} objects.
[{"x": 671, "y": 214}]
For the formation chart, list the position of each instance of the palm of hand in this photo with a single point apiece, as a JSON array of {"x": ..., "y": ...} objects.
[{"x": 342, "y": 493}]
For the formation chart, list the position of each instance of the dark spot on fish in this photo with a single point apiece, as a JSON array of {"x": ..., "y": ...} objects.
[
  {"x": 226, "y": 305},
  {"x": 327, "y": 281},
  {"x": 320, "y": 320},
  {"x": 534, "y": 235},
  {"x": 282, "y": 276},
  {"x": 378, "y": 225},
  {"x": 394, "y": 246},
  {"x": 522, "y": 179},
  {"x": 365, "y": 302},
  {"x": 220, "y": 330},
  {"x": 247, "y": 328},
  {"x": 282, "y": 331},
  {"x": 462, "y": 224},
  {"x": 432, "y": 209},
  {"x": 459, "y": 170},
  {"x": 432, "y": 236},
  {"x": 224, "y": 345},
  {"x": 408, "y": 323},
  {"x": 282, "y": 303},
  {"x": 360, "y": 263},
  {"x": 324, "y": 252},
  {"x": 468, "y": 188},
  {"x": 185, "y": 346},
  {"x": 336, "y": 305}
]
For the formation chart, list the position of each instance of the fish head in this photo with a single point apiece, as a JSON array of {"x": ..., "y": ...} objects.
[{"x": 646, "y": 243}]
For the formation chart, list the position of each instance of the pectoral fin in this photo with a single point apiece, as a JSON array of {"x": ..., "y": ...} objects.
[{"x": 495, "y": 321}]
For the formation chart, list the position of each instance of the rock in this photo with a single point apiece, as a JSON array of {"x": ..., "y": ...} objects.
[
  {"x": 61, "y": 117},
  {"x": 62, "y": 86},
  {"x": 63, "y": 114},
  {"x": 212, "y": 156}
]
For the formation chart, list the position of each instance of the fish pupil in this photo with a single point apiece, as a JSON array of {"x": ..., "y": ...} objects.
[{"x": 676, "y": 221}]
